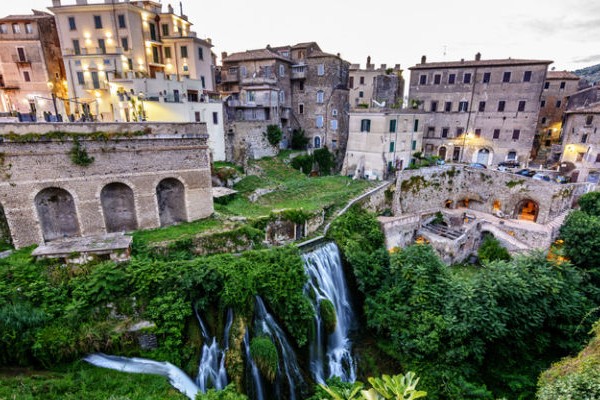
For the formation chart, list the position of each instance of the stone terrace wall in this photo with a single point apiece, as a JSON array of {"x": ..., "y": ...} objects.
[
  {"x": 140, "y": 161},
  {"x": 438, "y": 187}
]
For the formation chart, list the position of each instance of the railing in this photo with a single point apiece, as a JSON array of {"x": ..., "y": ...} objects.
[
  {"x": 259, "y": 81},
  {"x": 17, "y": 59},
  {"x": 299, "y": 72},
  {"x": 85, "y": 51}
]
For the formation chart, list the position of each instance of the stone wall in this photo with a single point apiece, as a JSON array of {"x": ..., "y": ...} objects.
[
  {"x": 246, "y": 140},
  {"x": 484, "y": 190},
  {"x": 137, "y": 157}
]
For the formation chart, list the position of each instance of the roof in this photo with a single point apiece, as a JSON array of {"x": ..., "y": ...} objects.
[
  {"x": 27, "y": 17},
  {"x": 306, "y": 44},
  {"x": 479, "y": 63},
  {"x": 258, "y": 54},
  {"x": 319, "y": 53},
  {"x": 591, "y": 109},
  {"x": 562, "y": 75}
]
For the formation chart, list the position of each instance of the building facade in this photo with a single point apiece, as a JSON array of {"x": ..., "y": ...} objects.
[
  {"x": 371, "y": 87},
  {"x": 482, "y": 110},
  {"x": 32, "y": 75},
  {"x": 382, "y": 142},
  {"x": 581, "y": 144}
]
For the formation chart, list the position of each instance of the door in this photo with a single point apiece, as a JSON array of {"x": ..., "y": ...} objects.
[{"x": 483, "y": 156}]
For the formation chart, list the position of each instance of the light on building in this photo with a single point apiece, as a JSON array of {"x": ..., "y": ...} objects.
[{"x": 108, "y": 34}]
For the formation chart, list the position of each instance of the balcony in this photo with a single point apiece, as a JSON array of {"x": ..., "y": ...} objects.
[
  {"x": 299, "y": 72},
  {"x": 97, "y": 86},
  {"x": 20, "y": 60},
  {"x": 259, "y": 80},
  {"x": 229, "y": 77},
  {"x": 92, "y": 51},
  {"x": 9, "y": 86}
]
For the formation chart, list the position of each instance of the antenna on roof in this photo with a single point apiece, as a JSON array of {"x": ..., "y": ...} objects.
[
  {"x": 180, "y": 8},
  {"x": 445, "y": 50}
]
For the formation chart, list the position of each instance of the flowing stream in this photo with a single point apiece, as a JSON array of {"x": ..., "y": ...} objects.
[
  {"x": 330, "y": 354},
  {"x": 211, "y": 371}
]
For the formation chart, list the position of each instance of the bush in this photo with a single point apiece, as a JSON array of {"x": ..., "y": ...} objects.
[
  {"x": 303, "y": 163},
  {"x": 265, "y": 355},
  {"x": 325, "y": 160},
  {"x": 589, "y": 203},
  {"x": 492, "y": 250},
  {"x": 274, "y": 135},
  {"x": 299, "y": 140}
]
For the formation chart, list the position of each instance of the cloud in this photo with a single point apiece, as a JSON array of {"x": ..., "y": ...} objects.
[{"x": 586, "y": 59}]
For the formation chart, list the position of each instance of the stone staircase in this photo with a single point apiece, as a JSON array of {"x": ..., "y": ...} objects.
[
  {"x": 556, "y": 223},
  {"x": 509, "y": 241}
]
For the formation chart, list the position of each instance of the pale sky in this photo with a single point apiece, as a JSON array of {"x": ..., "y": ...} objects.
[{"x": 395, "y": 31}]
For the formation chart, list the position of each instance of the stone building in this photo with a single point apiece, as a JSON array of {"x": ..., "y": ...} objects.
[
  {"x": 483, "y": 110},
  {"x": 581, "y": 144},
  {"x": 32, "y": 75},
  {"x": 294, "y": 87},
  {"x": 113, "y": 41},
  {"x": 559, "y": 86},
  {"x": 135, "y": 176},
  {"x": 381, "y": 142},
  {"x": 372, "y": 86}
]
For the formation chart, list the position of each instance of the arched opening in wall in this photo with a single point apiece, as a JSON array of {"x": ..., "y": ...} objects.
[
  {"x": 471, "y": 203},
  {"x": 57, "y": 214},
  {"x": 528, "y": 210},
  {"x": 118, "y": 206},
  {"x": 170, "y": 194},
  {"x": 483, "y": 156},
  {"x": 449, "y": 204},
  {"x": 442, "y": 153},
  {"x": 5, "y": 236},
  {"x": 317, "y": 142}
]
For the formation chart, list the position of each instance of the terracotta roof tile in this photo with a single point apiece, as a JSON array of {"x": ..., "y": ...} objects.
[
  {"x": 480, "y": 63},
  {"x": 561, "y": 75}
]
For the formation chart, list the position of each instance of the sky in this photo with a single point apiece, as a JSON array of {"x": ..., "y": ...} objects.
[{"x": 396, "y": 31}]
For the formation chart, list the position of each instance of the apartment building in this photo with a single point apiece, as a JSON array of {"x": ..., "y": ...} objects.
[
  {"x": 483, "y": 110},
  {"x": 381, "y": 142},
  {"x": 558, "y": 88},
  {"x": 294, "y": 87},
  {"x": 105, "y": 43},
  {"x": 32, "y": 76},
  {"x": 581, "y": 143},
  {"x": 376, "y": 87}
]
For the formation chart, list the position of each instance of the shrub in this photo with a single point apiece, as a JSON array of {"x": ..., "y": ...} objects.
[
  {"x": 79, "y": 155},
  {"x": 325, "y": 160},
  {"x": 303, "y": 163},
  {"x": 299, "y": 140},
  {"x": 265, "y": 355},
  {"x": 492, "y": 250},
  {"x": 274, "y": 135}
]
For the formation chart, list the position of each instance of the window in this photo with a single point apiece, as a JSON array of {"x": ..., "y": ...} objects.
[
  {"x": 544, "y": 119},
  {"x": 501, "y": 105},
  {"x": 448, "y": 106},
  {"x": 542, "y": 103},
  {"x": 516, "y": 134},
  {"x": 334, "y": 124},
  {"x": 413, "y": 145},
  {"x": 430, "y": 132},
  {"x": 547, "y": 85},
  {"x": 215, "y": 118},
  {"x": 183, "y": 51},
  {"x": 167, "y": 52},
  {"x": 250, "y": 97},
  {"x": 72, "y": 24},
  {"x": 434, "y": 106},
  {"x": 97, "y": 21},
  {"x": 317, "y": 142},
  {"x": 26, "y": 76},
  {"x": 589, "y": 119},
  {"x": 334, "y": 112},
  {"x": 121, "y": 21},
  {"x": 301, "y": 86},
  {"x": 28, "y": 28},
  {"x": 481, "y": 106},
  {"x": 422, "y": 79},
  {"x": 527, "y": 76},
  {"x": 486, "y": 77},
  {"x": 125, "y": 44},
  {"x": 130, "y": 63},
  {"x": 16, "y": 28},
  {"x": 506, "y": 77},
  {"x": 558, "y": 103},
  {"x": 282, "y": 70},
  {"x": 521, "y": 105},
  {"x": 320, "y": 96},
  {"x": 496, "y": 134},
  {"x": 101, "y": 46},
  {"x": 203, "y": 82},
  {"x": 445, "y": 132},
  {"x": 463, "y": 106},
  {"x": 351, "y": 82},
  {"x": 584, "y": 138},
  {"x": 21, "y": 54},
  {"x": 281, "y": 97},
  {"x": 365, "y": 125},
  {"x": 319, "y": 121},
  {"x": 300, "y": 108},
  {"x": 200, "y": 53},
  {"x": 392, "y": 145},
  {"x": 437, "y": 79},
  {"x": 459, "y": 131},
  {"x": 512, "y": 155},
  {"x": 579, "y": 157},
  {"x": 80, "y": 78},
  {"x": 392, "y": 125},
  {"x": 562, "y": 85},
  {"x": 152, "y": 28},
  {"x": 361, "y": 80},
  {"x": 467, "y": 77},
  {"x": 321, "y": 69},
  {"x": 76, "y": 47},
  {"x": 361, "y": 94},
  {"x": 478, "y": 132},
  {"x": 197, "y": 116},
  {"x": 3, "y": 28},
  {"x": 451, "y": 79},
  {"x": 165, "y": 29},
  {"x": 416, "y": 125}
]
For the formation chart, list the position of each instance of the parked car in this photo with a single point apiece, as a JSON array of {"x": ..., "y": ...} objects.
[
  {"x": 525, "y": 172},
  {"x": 508, "y": 165},
  {"x": 477, "y": 165},
  {"x": 540, "y": 176},
  {"x": 562, "y": 179}
]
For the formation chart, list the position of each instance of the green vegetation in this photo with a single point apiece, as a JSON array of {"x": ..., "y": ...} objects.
[
  {"x": 79, "y": 155},
  {"x": 397, "y": 387},
  {"x": 511, "y": 184},
  {"x": 299, "y": 140},
  {"x": 322, "y": 158},
  {"x": 274, "y": 135},
  {"x": 492, "y": 250},
  {"x": 328, "y": 315},
  {"x": 589, "y": 203},
  {"x": 64, "y": 136},
  {"x": 265, "y": 355}
]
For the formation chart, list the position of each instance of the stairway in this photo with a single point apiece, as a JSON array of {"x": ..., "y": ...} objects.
[{"x": 513, "y": 243}]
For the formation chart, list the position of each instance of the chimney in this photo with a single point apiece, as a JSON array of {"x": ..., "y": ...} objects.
[
  {"x": 368, "y": 61},
  {"x": 423, "y": 59},
  {"x": 478, "y": 57},
  {"x": 55, "y": 3},
  {"x": 397, "y": 67},
  {"x": 383, "y": 66},
  {"x": 170, "y": 9},
  {"x": 223, "y": 55}
]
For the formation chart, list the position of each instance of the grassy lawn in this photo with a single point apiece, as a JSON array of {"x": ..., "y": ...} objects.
[{"x": 84, "y": 381}]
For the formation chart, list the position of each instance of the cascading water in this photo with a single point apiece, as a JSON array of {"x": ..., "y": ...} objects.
[
  {"x": 289, "y": 370},
  {"x": 254, "y": 380},
  {"x": 327, "y": 282},
  {"x": 211, "y": 371}
]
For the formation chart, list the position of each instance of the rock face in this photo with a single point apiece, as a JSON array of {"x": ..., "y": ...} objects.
[{"x": 590, "y": 74}]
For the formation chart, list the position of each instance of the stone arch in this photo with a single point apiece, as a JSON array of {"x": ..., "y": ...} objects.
[
  {"x": 527, "y": 209},
  {"x": 170, "y": 195},
  {"x": 57, "y": 214},
  {"x": 483, "y": 156},
  {"x": 471, "y": 201},
  {"x": 317, "y": 142},
  {"x": 118, "y": 206},
  {"x": 5, "y": 236},
  {"x": 442, "y": 152},
  {"x": 449, "y": 203}
]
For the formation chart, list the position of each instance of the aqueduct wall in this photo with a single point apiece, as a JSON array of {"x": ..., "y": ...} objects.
[{"x": 142, "y": 176}]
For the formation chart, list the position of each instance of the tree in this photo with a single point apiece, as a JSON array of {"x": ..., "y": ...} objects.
[
  {"x": 492, "y": 250},
  {"x": 274, "y": 135},
  {"x": 299, "y": 140},
  {"x": 589, "y": 203},
  {"x": 581, "y": 235}
]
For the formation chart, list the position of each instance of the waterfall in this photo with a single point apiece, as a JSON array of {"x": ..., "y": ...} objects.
[
  {"x": 327, "y": 282},
  {"x": 289, "y": 370},
  {"x": 255, "y": 382},
  {"x": 211, "y": 371},
  {"x": 178, "y": 379}
]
